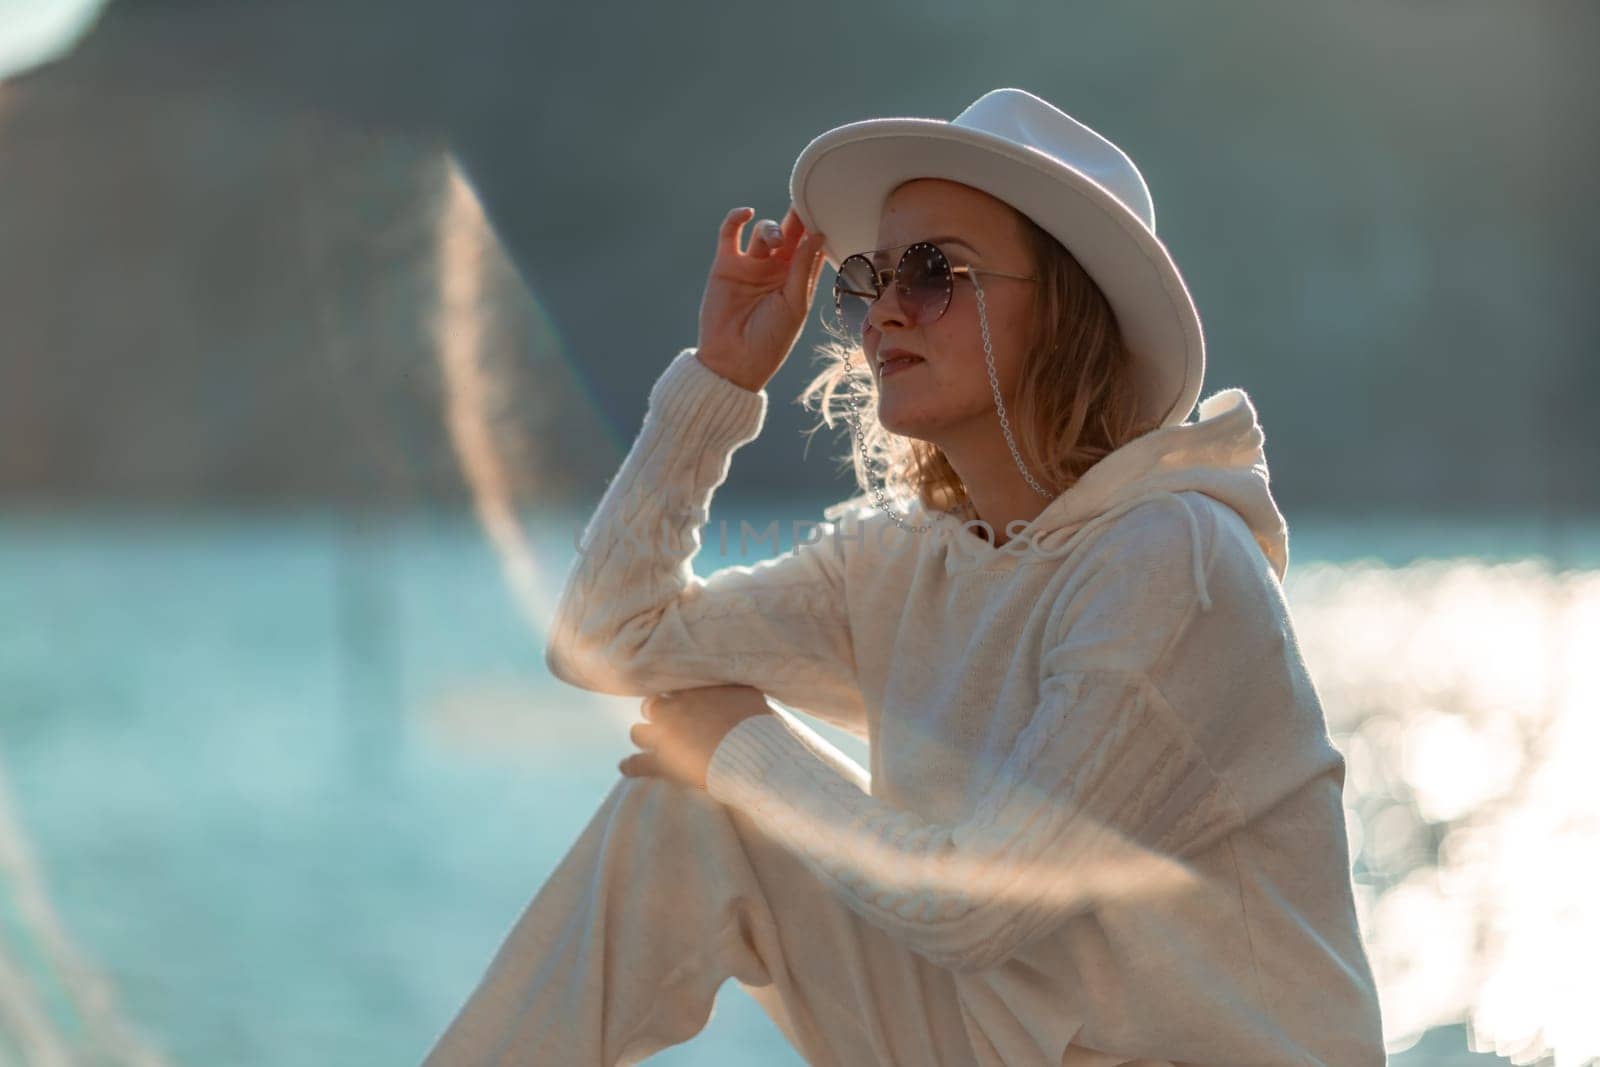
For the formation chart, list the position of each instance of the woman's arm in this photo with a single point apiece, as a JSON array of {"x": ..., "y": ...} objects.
[
  {"x": 633, "y": 618},
  {"x": 1102, "y": 799},
  {"x": 1104, "y": 793}
]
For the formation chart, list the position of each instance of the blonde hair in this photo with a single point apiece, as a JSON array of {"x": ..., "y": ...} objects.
[{"x": 1075, "y": 401}]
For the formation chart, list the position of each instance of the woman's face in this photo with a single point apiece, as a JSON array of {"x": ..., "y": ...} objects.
[{"x": 947, "y": 396}]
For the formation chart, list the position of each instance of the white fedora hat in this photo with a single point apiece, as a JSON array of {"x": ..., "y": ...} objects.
[{"x": 1077, "y": 185}]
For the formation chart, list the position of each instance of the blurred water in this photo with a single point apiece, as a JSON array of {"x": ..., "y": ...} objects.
[{"x": 284, "y": 782}]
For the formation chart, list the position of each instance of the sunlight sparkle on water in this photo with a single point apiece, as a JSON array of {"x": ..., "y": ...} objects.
[{"x": 1461, "y": 694}]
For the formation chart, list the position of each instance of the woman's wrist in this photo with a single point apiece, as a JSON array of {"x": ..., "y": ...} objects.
[{"x": 729, "y": 369}]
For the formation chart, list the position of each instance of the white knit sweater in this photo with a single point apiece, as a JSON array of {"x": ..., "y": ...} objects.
[{"x": 1102, "y": 789}]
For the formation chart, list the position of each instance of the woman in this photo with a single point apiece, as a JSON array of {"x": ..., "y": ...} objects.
[{"x": 1103, "y": 820}]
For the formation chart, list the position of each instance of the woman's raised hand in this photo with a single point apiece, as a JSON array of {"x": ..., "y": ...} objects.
[{"x": 756, "y": 301}]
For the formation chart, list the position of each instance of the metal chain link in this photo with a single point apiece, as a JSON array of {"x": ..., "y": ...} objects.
[{"x": 1005, "y": 424}]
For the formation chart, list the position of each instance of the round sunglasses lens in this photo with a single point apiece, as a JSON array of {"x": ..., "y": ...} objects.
[
  {"x": 923, "y": 283},
  {"x": 854, "y": 291}
]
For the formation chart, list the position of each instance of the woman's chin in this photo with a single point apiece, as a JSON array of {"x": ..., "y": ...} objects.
[{"x": 903, "y": 424}]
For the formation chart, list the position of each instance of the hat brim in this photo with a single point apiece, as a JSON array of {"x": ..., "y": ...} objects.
[{"x": 842, "y": 178}]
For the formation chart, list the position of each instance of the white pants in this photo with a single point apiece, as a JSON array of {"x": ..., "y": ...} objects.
[{"x": 665, "y": 894}]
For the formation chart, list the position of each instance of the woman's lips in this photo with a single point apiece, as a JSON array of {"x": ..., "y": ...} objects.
[{"x": 897, "y": 363}]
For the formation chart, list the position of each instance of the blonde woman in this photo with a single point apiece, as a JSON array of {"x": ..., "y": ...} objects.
[{"x": 1102, "y": 822}]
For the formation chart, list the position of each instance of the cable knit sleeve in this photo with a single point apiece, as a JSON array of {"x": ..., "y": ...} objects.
[
  {"x": 633, "y": 618},
  {"x": 1102, "y": 795}
]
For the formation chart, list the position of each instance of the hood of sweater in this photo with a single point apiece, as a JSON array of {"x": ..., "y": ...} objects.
[{"x": 1220, "y": 454}]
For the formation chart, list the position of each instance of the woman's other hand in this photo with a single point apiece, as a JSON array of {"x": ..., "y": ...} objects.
[
  {"x": 756, "y": 301},
  {"x": 684, "y": 727}
]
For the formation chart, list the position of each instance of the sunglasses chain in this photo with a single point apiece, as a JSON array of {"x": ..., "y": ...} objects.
[{"x": 1005, "y": 424}]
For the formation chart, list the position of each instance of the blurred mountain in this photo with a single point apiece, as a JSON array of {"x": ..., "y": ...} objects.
[
  {"x": 207, "y": 302},
  {"x": 225, "y": 226}
]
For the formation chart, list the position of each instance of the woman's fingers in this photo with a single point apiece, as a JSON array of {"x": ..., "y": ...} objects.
[
  {"x": 765, "y": 238},
  {"x": 656, "y": 704},
  {"x": 732, "y": 223},
  {"x": 640, "y": 765},
  {"x": 647, "y": 762},
  {"x": 801, "y": 284},
  {"x": 654, "y": 764},
  {"x": 793, "y": 228}
]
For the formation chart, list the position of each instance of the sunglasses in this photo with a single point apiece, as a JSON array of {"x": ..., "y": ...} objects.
[{"x": 923, "y": 281}]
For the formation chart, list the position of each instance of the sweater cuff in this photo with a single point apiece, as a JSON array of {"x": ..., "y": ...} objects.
[
  {"x": 776, "y": 758},
  {"x": 698, "y": 402},
  {"x": 745, "y": 759}
]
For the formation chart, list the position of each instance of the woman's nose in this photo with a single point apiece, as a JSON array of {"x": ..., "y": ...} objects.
[{"x": 886, "y": 310}]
